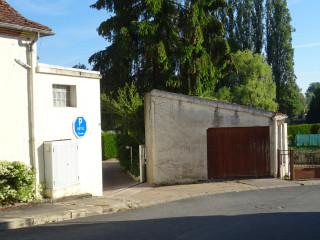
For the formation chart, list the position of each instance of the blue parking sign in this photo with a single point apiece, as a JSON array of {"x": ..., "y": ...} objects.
[{"x": 79, "y": 127}]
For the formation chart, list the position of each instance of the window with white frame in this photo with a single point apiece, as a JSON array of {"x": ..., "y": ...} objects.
[{"x": 64, "y": 95}]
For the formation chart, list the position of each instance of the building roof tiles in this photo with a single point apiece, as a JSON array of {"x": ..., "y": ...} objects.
[{"x": 9, "y": 15}]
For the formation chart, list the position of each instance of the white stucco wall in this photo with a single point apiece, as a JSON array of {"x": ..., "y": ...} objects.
[
  {"x": 50, "y": 123},
  {"x": 55, "y": 123},
  {"x": 176, "y": 133},
  {"x": 14, "y": 138}
]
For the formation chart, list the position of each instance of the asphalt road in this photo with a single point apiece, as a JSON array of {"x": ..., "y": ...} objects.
[{"x": 283, "y": 213}]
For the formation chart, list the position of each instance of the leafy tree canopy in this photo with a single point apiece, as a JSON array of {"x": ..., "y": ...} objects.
[
  {"x": 311, "y": 90},
  {"x": 251, "y": 85},
  {"x": 127, "y": 106},
  {"x": 255, "y": 86}
]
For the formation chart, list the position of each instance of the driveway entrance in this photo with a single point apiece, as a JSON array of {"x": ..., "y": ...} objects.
[
  {"x": 238, "y": 152},
  {"x": 114, "y": 178}
]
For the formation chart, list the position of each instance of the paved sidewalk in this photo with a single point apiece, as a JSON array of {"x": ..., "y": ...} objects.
[{"x": 140, "y": 195}]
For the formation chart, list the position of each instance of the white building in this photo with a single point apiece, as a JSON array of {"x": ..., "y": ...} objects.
[{"x": 40, "y": 104}]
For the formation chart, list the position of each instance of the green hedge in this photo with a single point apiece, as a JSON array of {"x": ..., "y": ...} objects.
[
  {"x": 114, "y": 146},
  {"x": 17, "y": 183},
  {"x": 302, "y": 129},
  {"x": 124, "y": 140},
  {"x": 109, "y": 148}
]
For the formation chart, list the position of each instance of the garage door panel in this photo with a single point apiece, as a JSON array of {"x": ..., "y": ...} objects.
[{"x": 238, "y": 152}]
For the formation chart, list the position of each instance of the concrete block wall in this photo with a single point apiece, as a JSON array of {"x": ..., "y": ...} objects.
[{"x": 176, "y": 133}]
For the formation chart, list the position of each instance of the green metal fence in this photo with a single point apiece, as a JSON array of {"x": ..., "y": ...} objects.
[{"x": 308, "y": 139}]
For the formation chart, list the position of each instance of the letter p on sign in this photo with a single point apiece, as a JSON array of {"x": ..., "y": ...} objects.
[{"x": 78, "y": 131}]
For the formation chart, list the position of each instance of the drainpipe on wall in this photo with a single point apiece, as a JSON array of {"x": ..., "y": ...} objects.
[{"x": 33, "y": 153}]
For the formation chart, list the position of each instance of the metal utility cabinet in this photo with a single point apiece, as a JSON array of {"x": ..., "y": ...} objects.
[{"x": 61, "y": 163}]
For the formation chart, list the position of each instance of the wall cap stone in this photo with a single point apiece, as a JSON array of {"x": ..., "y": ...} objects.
[{"x": 217, "y": 104}]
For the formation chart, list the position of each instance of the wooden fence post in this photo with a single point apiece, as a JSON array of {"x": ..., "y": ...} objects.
[{"x": 291, "y": 164}]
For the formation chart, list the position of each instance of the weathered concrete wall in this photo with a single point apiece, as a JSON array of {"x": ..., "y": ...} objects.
[{"x": 176, "y": 133}]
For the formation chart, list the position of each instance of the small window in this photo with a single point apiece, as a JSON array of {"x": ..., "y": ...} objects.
[{"x": 64, "y": 95}]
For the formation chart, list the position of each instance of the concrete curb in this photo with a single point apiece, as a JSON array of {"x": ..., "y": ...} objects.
[{"x": 58, "y": 216}]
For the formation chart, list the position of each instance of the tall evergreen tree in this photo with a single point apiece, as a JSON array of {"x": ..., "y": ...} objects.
[
  {"x": 227, "y": 16},
  {"x": 243, "y": 28},
  {"x": 258, "y": 26},
  {"x": 280, "y": 55},
  {"x": 314, "y": 111},
  {"x": 244, "y": 25},
  {"x": 172, "y": 45}
]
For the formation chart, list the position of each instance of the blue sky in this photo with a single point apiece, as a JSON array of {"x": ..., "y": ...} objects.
[
  {"x": 74, "y": 23},
  {"x": 76, "y": 39}
]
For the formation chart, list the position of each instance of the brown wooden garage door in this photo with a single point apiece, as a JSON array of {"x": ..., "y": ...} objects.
[{"x": 238, "y": 152}]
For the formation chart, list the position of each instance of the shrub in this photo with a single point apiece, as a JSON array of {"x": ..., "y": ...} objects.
[
  {"x": 109, "y": 148},
  {"x": 17, "y": 183},
  {"x": 124, "y": 140},
  {"x": 304, "y": 129}
]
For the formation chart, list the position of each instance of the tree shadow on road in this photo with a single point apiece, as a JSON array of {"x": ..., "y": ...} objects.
[{"x": 284, "y": 225}]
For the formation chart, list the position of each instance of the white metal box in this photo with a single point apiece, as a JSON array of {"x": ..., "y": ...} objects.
[{"x": 61, "y": 163}]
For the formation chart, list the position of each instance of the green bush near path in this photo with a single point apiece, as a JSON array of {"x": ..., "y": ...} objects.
[
  {"x": 109, "y": 148},
  {"x": 17, "y": 183},
  {"x": 124, "y": 140}
]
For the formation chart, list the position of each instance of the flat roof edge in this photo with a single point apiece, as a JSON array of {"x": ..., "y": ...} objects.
[{"x": 73, "y": 72}]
